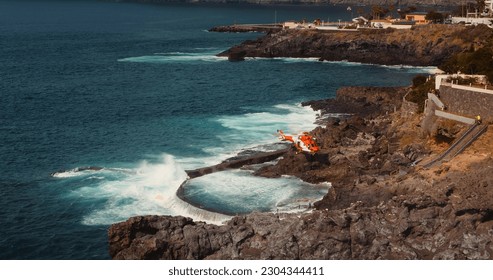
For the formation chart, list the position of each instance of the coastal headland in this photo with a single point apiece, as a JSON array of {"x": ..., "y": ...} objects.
[
  {"x": 382, "y": 204},
  {"x": 428, "y": 45}
]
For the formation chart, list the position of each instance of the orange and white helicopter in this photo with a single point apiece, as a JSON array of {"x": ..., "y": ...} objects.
[{"x": 303, "y": 142}]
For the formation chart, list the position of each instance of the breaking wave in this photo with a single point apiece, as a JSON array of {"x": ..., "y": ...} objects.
[
  {"x": 82, "y": 171},
  {"x": 149, "y": 190},
  {"x": 407, "y": 68},
  {"x": 258, "y": 130},
  {"x": 115, "y": 194},
  {"x": 209, "y": 55}
]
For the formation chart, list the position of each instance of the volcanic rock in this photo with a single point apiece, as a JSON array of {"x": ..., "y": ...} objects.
[
  {"x": 380, "y": 205},
  {"x": 421, "y": 46}
]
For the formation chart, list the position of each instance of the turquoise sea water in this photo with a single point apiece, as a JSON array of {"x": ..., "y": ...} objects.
[{"x": 137, "y": 89}]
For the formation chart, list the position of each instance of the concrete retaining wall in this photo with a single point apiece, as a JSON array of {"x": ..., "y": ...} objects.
[
  {"x": 436, "y": 100},
  {"x": 467, "y": 103},
  {"x": 454, "y": 117}
]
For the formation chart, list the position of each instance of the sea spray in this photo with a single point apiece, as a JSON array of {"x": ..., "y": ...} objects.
[
  {"x": 239, "y": 192},
  {"x": 151, "y": 190},
  {"x": 258, "y": 130},
  {"x": 167, "y": 173}
]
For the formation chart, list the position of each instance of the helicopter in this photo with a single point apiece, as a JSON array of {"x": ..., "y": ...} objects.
[{"x": 303, "y": 142}]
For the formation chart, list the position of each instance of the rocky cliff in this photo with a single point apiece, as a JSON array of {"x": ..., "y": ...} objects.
[
  {"x": 381, "y": 206},
  {"x": 404, "y": 227},
  {"x": 421, "y": 46}
]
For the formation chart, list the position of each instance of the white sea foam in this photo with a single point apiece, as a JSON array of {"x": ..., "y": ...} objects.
[
  {"x": 254, "y": 129},
  {"x": 286, "y": 59},
  {"x": 414, "y": 69},
  {"x": 176, "y": 57},
  {"x": 86, "y": 171},
  {"x": 209, "y": 55},
  {"x": 96, "y": 178},
  {"x": 67, "y": 174},
  {"x": 77, "y": 172},
  {"x": 234, "y": 188},
  {"x": 151, "y": 190},
  {"x": 238, "y": 190},
  {"x": 407, "y": 68}
]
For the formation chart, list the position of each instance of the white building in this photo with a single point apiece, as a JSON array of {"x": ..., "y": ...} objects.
[
  {"x": 488, "y": 21},
  {"x": 442, "y": 78},
  {"x": 478, "y": 17}
]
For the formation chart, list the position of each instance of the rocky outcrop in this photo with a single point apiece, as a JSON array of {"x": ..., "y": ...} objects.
[
  {"x": 422, "y": 46},
  {"x": 242, "y": 28},
  {"x": 380, "y": 206},
  {"x": 358, "y": 141},
  {"x": 233, "y": 163},
  {"x": 366, "y": 102},
  {"x": 447, "y": 217},
  {"x": 404, "y": 227}
]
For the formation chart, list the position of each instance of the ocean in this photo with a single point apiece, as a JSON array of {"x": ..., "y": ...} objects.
[{"x": 137, "y": 91}]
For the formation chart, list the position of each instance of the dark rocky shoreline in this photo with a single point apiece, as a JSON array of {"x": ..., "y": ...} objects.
[
  {"x": 245, "y": 28},
  {"x": 380, "y": 206},
  {"x": 429, "y": 45}
]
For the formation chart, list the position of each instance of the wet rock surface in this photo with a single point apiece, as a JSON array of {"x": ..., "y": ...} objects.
[
  {"x": 404, "y": 227},
  {"x": 380, "y": 205}
]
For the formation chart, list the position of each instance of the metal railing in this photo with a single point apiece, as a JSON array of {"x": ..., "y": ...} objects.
[{"x": 459, "y": 145}]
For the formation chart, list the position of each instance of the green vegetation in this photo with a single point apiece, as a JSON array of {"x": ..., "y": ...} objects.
[
  {"x": 478, "y": 59},
  {"x": 463, "y": 81},
  {"x": 473, "y": 62},
  {"x": 468, "y": 6},
  {"x": 419, "y": 80},
  {"x": 419, "y": 91},
  {"x": 378, "y": 12},
  {"x": 435, "y": 17}
]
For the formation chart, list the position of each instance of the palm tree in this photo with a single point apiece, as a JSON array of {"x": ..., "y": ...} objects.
[
  {"x": 378, "y": 11},
  {"x": 481, "y": 5}
]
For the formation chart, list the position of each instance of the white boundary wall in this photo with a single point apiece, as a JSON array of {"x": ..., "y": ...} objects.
[{"x": 439, "y": 80}]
